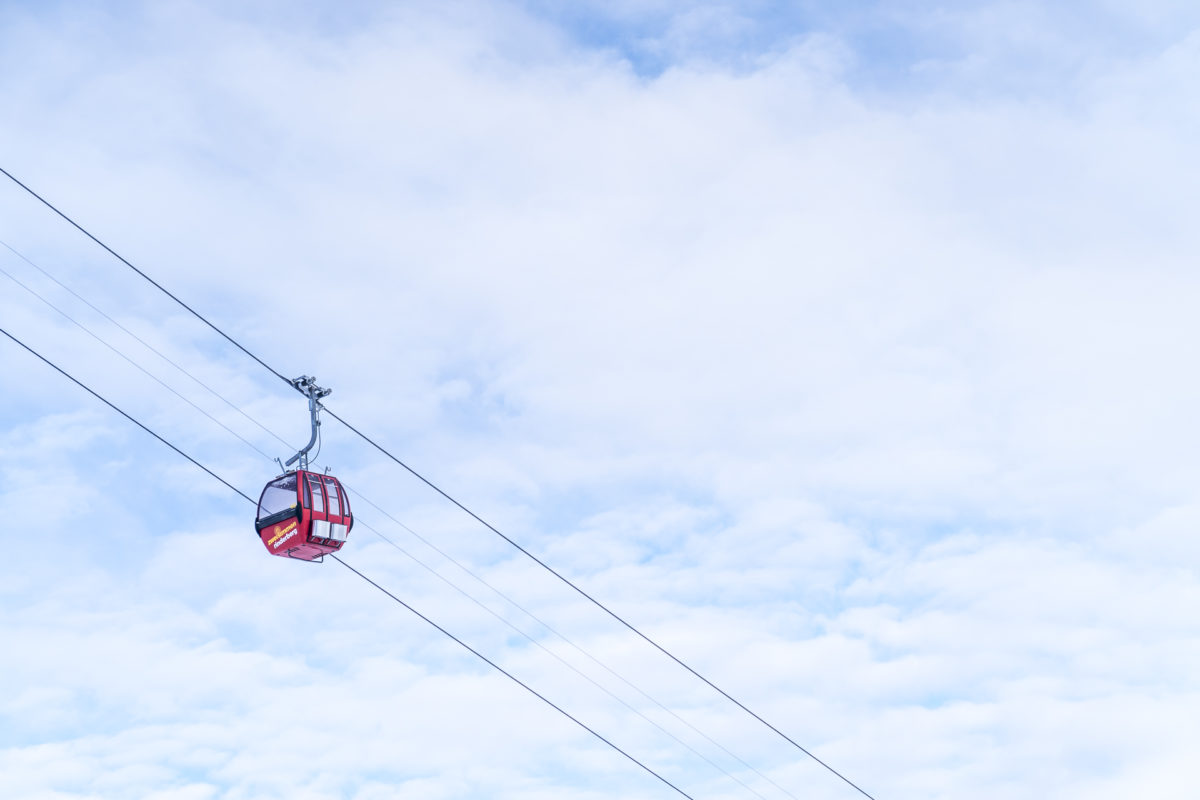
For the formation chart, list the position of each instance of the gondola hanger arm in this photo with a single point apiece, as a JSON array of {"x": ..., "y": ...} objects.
[{"x": 307, "y": 385}]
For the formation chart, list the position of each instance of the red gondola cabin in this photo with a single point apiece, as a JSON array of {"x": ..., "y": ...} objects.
[{"x": 304, "y": 515}]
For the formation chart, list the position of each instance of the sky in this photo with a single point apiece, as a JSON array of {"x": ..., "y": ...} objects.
[{"x": 842, "y": 348}]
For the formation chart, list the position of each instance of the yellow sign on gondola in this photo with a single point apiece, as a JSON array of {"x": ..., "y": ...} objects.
[{"x": 291, "y": 526}]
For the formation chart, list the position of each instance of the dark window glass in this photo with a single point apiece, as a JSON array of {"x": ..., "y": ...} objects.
[
  {"x": 345, "y": 496},
  {"x": 280, "y": 495},
  {"x": 318, "y": 498},
  {"x": 331, "y": 489}
]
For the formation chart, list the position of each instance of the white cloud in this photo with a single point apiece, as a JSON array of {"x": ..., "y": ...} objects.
[{"x": 873, "y": 405}]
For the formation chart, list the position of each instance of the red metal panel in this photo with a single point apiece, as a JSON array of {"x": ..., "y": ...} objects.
[{"x": 282, "y": 536}]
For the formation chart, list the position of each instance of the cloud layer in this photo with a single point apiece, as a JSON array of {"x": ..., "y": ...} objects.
[{"x": 849, "y": 361}]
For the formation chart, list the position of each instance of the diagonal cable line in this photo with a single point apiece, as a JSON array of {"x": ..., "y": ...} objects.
[
  {"x": 94, "y": 394},
  {"x": 143, "y": 342},
  {"x": 133, "y": 363},
  {"x": 564, "y": 638},
  {"x": 153, "y": 282},
  {"x": 451, "y": 499},
  {"x": 600, "y": 605},
  {"x": 571, "y": 666},
  {"x": 512, "y": 677},
  {"x": 248, "y": 499}
]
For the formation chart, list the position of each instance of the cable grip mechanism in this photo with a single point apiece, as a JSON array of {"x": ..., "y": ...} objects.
[{"x": 307, "y": 385}]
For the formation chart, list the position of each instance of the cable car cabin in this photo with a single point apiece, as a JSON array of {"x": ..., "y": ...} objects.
[{"x": 304, "y": 515}]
